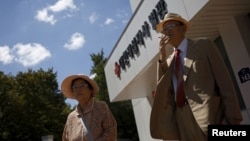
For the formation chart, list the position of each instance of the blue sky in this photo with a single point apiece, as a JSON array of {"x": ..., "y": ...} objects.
[{"x": 58, "y": 34}]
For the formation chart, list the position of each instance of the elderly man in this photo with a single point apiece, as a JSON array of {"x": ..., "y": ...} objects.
[{"x": 194, "y": 87}]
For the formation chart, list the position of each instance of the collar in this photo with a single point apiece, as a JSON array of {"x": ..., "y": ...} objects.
[
  {"x": 183, "y": 45},
  {"x": 87, "y": 109}
]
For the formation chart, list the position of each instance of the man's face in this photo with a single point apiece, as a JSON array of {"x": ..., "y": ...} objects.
[
  {"x": 175, "y": 31},
  {"x": 169, "y": 27}
]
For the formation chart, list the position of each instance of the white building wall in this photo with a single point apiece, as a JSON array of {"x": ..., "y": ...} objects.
[
  {"x": 142, "y": 109},
  {"x": 134, "y": 4}
]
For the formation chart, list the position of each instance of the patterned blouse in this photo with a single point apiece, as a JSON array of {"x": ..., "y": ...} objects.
[{"x": 98, "y": 119}]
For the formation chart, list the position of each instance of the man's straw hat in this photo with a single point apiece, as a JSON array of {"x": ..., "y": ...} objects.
[{"x": 171, "y": 17}]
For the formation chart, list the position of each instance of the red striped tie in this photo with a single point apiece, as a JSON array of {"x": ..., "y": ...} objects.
[{"x": 180, "y": 95}]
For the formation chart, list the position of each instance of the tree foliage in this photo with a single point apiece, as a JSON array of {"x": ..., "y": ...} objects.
[
  {"x": 123, "y": 111},
  {"x": 31, "y": 106}
]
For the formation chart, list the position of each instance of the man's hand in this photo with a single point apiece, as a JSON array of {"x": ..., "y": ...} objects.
[{"x": 162, "y": 46}]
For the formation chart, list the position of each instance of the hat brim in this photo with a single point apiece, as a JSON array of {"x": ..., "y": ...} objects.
[
  {"x": 159, "y": 26},
  {"x": 67, "y": 82}
]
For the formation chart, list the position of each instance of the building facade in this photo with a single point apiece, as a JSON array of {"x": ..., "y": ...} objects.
[{"x": 131, "y": 69}]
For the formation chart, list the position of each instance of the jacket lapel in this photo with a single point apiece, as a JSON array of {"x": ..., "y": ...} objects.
[{"x": 170, "y": 60}]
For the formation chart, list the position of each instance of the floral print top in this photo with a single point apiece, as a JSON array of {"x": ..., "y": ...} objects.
[{"x": 98, "y": 119}]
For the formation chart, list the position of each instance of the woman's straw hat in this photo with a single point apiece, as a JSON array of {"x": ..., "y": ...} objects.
[{"x": 67, "y": 82}]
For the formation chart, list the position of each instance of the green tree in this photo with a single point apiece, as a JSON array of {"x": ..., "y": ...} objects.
[
  {"x": 125, "y": 118},
  {"x": 31, "y": 106}
]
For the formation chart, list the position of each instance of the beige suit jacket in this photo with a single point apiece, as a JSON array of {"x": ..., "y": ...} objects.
[{"x": 208, "y": 88}]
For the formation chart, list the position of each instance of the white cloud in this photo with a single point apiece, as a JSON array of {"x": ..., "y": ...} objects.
[
  {"x": 93, "y": 18},
  {"x": 76, "y": 41},
  {"x": 92, "y": 76},
  {"x": 42, "y": 15},
  {"x": 30, "y": 54},
  {"x": 121, "y": 14},
  {"x": 124, "y": 21},
  {"x": 109, "y": 21},
  {"x": 61, "y": 5},
  {"x": 5, "y": 55}
]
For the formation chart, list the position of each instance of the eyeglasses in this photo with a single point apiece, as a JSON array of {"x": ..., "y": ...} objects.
[
  {"x": 169, "y": 27},
  {"x": 74, "y": 88}
]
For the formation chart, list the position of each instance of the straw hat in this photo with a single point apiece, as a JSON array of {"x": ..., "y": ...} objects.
[
  {"x": 67, "y": 82},
  {"x": 171, "y": 17}
]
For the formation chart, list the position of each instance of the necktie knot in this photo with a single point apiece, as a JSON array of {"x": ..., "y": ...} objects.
[
  {"x": 177, "y": 61},
  {"x": 177, "y": 52}
]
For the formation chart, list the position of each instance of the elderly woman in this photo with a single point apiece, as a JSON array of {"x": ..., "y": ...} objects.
[{"x": 91, "y": 120}]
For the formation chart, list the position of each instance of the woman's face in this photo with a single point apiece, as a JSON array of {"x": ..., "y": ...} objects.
[{"x": 81, "y": 90}]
